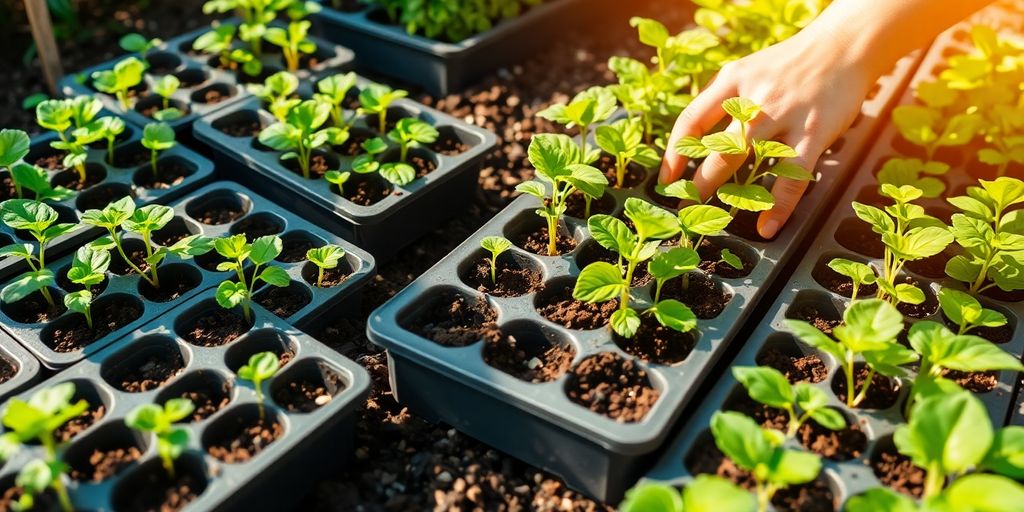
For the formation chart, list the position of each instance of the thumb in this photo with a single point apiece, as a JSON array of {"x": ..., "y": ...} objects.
[{"x": 788, "y": 193}]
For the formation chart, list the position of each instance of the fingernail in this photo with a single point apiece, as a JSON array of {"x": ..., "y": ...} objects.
[{"x": 770, "y": 228}]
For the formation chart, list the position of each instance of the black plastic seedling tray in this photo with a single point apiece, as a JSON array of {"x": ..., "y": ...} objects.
[
  {"x": 382, "y": 228},
  {"x": 256, "y": 216},
  {"x": 312, "y": 441},
  {"x": 201, "y": 80},
  {"x": 21, "y": 369},
  {"x": 118, "y": 180}
]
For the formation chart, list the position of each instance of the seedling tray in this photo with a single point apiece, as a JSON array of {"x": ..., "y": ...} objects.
[
  {"x": 202, "y": 79},
  {"x": 19, "y": 367},
  {"x": 255, "y": 216},
  {"x": 383, "y": 227},
  {"x": 118, "y": 180},
  {"x": 273, "y": 478}
]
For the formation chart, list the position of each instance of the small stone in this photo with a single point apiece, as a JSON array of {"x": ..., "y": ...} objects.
[
  {"x": 444, "y": 477},
  {"x": 534, "y": 363},
  {"x": 522, "y": 489},
  {"x": 322, "y": 400}
]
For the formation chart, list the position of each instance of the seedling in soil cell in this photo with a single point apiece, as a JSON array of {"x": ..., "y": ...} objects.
[
  {"x": 556, "y": 159},
  {"x": 171, "y": 441},
  {"x": 909, "y": 234},
  {"x": 687, "y": 55},
  {"x": 592, "y": 106},
  {"x": 262, "y": 366},
  {"x": 333, "y": 91},
  {"x": 278, "y": 94},
  {"x": 41, "y": 222},
  {"x": 77, "y": 148},
  {"x": 623, "y": 140},
  {"x": 260, "y": 252},
  {"x": 126, "y": 74},
  {"x": 991, "y": 235},
  {"x": 293, "y": 42},
  {"x": 111, "y": 128},
  {"x": 760, "y": 451},
  {"x": 33, "y": 480},
  {"x": 255, "y": 14},
  {"x": 325, "y": 258},
  {"x": 220, "y": 42},
  {"x": 36, "y": 420},
  {"x": 706, "y": 493},
  {"x": 914, "y": 172},
  {"x": 929, "y": 127},
  {"x": 601, "y": 281},
  {"x": 976, "y": 491},
  {"x": 801, "y": 401},
  {"x": 55, "y": 115},
  {"x": 165, "y": 87},
  {"x": 411, "y": 132},
  {"x": 88, "y": 268},
  {"x": 375, "y": 99},
  {"x": 870, "y": 330},
  {"x": 157, "y": 137},
  {"x": 699, "y": 220},
  {"x": 966, "y": 312},
  {"x": 495, "y": 245},
  {"x": 398, "y": 173},
  {"x": 302, "y": 132},
  {"x": 14, "y": 146},
  {"x": 745, "y": 194},
  {"x": 860, "y": 274},
  {"x": 137, "y": 43}
]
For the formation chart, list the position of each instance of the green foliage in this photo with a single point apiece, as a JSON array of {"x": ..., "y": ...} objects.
[
  {"x": 398, "y": 173},
  {"x": 220, "y": 41},
  {"x": 859, "y": 274},
  {"x": 137, "y": 43},
  {"x": 165, "y": 87},
  {"x": 293, "y": 41},
  {"x": 801, "y": 402},
  {"x": 278, "y": 93},
  {"x": 914, "y": 172},
  {"x": 88, "y": 268},
  {"x": 171, "y": 440},
  {"x": 110, "y": 129},
  {"x": 971, "y": 493},
  {"x": 333, "y": 90},
  {"x": 257, "y": 15},
  {"x": 325, "y": 258},
  {"x": 261, "y": 367},
  {"x": 623, "y": 140},
  {"x": 40, "y": 221},
  {"x": 991, "y": 235},
  {"x": 706, "y": 493},
  {"x": 591, "y": 106},
  {"x": 127, "y": 73},
  {"x": 966, "y": 312},
  {"x": 258, "y": 254},
  {"x": 411, "y": 132},
  {"x": 157, "y": 137},
  {"x": 375, "y": 99},
  {"x": 34, "y": 479},
  {"x": 302, "y": 132},
  {"x": 14, "y": 146},
  {"x": 451, "y": 21},
  {"x": 495, "y": 245}
]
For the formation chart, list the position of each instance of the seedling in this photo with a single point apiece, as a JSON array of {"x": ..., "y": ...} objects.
[
  {"x": 40, "y": 221},
  {"x": 137, "y": 43},
  {"x": 991, "y": 235},
  {"x": 325, "y": 258},
  {"x": 706, "y": 493},
  {"x": 27, "y": 176},
  {"x": 278, "y": 94},
  {"x": 914, "y": 172},
  {"x": 14, "y": 146},
  {"x": 262, "y": 366},
  {"x": 375, "y": 99},
  {"x": 927, "y": 126},
  {"x": 398, "y": 173},
  {"x": 601, "y": 281},
  {"x": 689, "y": 55},
  {"x": 991, "y": 493},
  {"x": 449, "y": 21},
  {"x": 556, "y": 160},
  {"x": 165, "y": 87},
  {"x": 671, "y": 264},
  {"x": 745, "y": 194},
  {"x": 302, "y": 132},
  {"x": 55, "y": 115},
  {"x": 592, "y": 106},
  {"x": 126, "y": 74},
  {"x": 966, "y": 312},
  {"x": 411, "y": 132},
  {"x": 111, "y": 128},
  {"x": 220, "y": 41},
  {"x": 760, "y": 451},
  {"x": 870, "y": 330},
  {"x": 698, "y": 221},
  {"x": 860, "y": 274},
  {"x": 88, "y": 268},
  {"x": 77, "y": 148},
  {"x": 171, "y": 441},
  {"x": 495, "y": 245},
  {"x": 259, "y": 253},
  {"x": 36, "y": 420},
  {"x": 750, "y": 26},
  {"x": 908, "y": 233},
  {"x": 83, "y": 110},
  {"x": 623, "y": 140},
  {"x": 293, "y": 42},
  {"x": 333, "y": 91},
  {"x": 255, "y": 14},
  {"x": 801, "y": 401},
  {"x": 157, "y": 137},
  {"x": 33, "y": 480}
]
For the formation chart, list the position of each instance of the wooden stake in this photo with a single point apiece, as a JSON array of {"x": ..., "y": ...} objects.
[{"x": 46, "y": 44}]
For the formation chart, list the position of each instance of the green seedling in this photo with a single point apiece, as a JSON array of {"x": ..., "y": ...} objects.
[
  {"x": 699, "y": 221},
  {"x": 126, "y": 74},
  {"x": 220, "y": 42},
  {"x": 77, "y": 148},
  {"x": 801, "y": 401},
  {"x": 398, "y": 173},
  {"x": 333, "y": 91},
  {"x": 40, "y": 221},
  {"x": 33, "y": 480},
  {"x": 278, "y": 94},
  {"x": 171, "y": 441},
  {"x": 157, "y": 137},
  {"x": 55, "y": 115},
  {"x": 556, "y": 160},
  {"x": 859, "y": 274},
  {"x": 137, "y": 43},
  {"x": 746, "y": 27},
  {"x": 375, "y": 99},
  {"x": 991, "y": 235},
  {"x": 588, "y": 108},
  {"x": 914, "y": 172},
  {"x": 294, "y": 42},
  {"x": 255, "y": 14},
  {"x": 928, "y": 127},
  {"x": 668, "y": 265},
  {"x": 14, "y": 146},
  {"x": 84, "y": 110},
  {"x": 111, "y": 128},
  {"x": 967, "y": 313},
  {"x": 165, "y": 87},
  {"x": 760, "y": 451},
  {"x": 870, "y": 329},
  {"x": 495, "y": 245},
  {"x": 302, "y": 132},
  {"x": 706, "y": 493},
  {"x": 974, "y": 492},
  {"x": 412, "y": 132},
  {"x": 690, "y": 55},
  {"x": 449, "y": 21},
  {"x": 325, "y": 258},
  {"x": 259, "y": 253},
  {"x": 623, "y": 140},
  {"x": 88, "y": 268},
  {"x": 262, "y": 366}
]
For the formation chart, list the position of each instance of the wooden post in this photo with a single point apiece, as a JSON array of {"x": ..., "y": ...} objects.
[{"x": 46, "y": 44}]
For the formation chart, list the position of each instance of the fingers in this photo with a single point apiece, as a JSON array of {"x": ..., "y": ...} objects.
[
  {"x": 718, "y": 168},
  {"x": 696, "y": 119},
  {"x": 787, "y": 193}
]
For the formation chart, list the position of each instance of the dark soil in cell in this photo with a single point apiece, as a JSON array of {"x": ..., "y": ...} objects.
[
  {"x": 293, "y": 250},
  {"x": 656, "y": 343},
  {"x": 806, "y": 368},
  {"x": 34, "y": 309},
  {"x": 103, "y": 464},
  {"x": 80, "y": 423},
  {"x": 244, "y": 439},
  {"x": 857, "y": 236},
  {"x": 576, "y": 206},
  {"x": 165, "y": 494},
  {"x": 449, "y": 146},
  {"x": 137, "y": 256},
  {"x": 151, "y": 374},
  {"x": 1003, "y": 296},
  {"x": 634, "y": 173},
  {"x": 559, "y": 307},
  {"x": 543, "y": 363},
  {"x": 332, "y": 276},
  {"x": 609, "y": 384},
  {"x": 108, "y": 317},
  {"x": 975, "y": 382},
  {"x": 169, "y": 174},
  {"x": 307, "y": 395},
  {"x": 213, "y": 96},
  {"x": 455, "y": 321},
  {"x": 255, "y": 226},
  {"x": 217, "y": 215},
  {"x": 882, "y": 393},
  {"x": 7, "y": 370},
  {"x": 282, "y": 301},
  {"x": 814, "y": 496},
  {"x": 536, "y": 241},
  {"x": 354, "y": 145},
  {"x": 768, "y": 417},
  {"x": 839, "y": 284},
  {"x": 318, "y": 166},
  {"x": 711, "y": 261},
  {"x": 72, "y": 180},
  {"x": 365, "y": 192},
  {"x": 10, "y": 496},
  {"x": 168, "y": 236},
  {"x": 216, "y": 327},
  {"x": 896, "y": 471},
  {"x": 8, "y": 190},
  {"x": 51, "y": 162},
  {"x": 846, "y": 444},
  {"x": 744, "y": 225},
  {"x": 932, "y": 268},
  {"x": 240, "y": 127},
  {"x": 810, "y": 313},
  {"x": 997, "y": 335},
  {"x": 929, "y": 307},
  {"x": 700, "y": 292},
  {"x": 423, "y": 165},
  {"x": 168, "y": 291},
  {"x": 511, "y": 278},
  {"x": 206, "y": 403},
  {"x": 151, "y": 110}
]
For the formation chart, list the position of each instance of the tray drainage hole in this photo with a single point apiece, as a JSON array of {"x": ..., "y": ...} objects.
[
  {"x": 70, "y": 179},
  {"x": 34, "y": 308},
  {"x": 71, "y": 332},
  {"x": 214, "y": 93},
  {"x": 516, "y": 274},
  {"x": 798, "y": 362},
  {"x": 895, "y": 470},
  {"x": 241, "y": 434},
  {"x": 99, "y": 196},
  {"x": 192, "y": 77},
  {"x": 331, "y": 277},
  {"x": 391, "y": 119},
  {"x": 530, "y": 233},
  {"x": 634, "y": 176},
  {"x": 151, "y": 487},
  {"x": 855, "y": 235},
  {"x": 219, "y": 207},
  {"x": 108, "y": 451},
  {"x": 284, "y": 301},
  {"x": 151, "y": 106},
  {"x": 611, "y": 385},
  {"x": 162, "y": 63},
  {"x": 364, "y": 189},
  {"x": 295, "y": 245},
  {"x": 208, "y": 391},
  {"x": 711, "y": 249},
  {"x": 655, "y": 343},
  {"x": 530, "y": 352},
  {"x": 99, "y": 404},
  {"x": 241, "y": 123},
  {"x": 452, "y": 141},
  {"x": 837, "y": 283},
  {"x": 319, "y": 163},
  {"x": 883, "y": 393},
  {"x": 206, "y": 324},
  {"x": 171, "y": 171},
  {"x": 175, "y": 230},
  {"x": 450, "y": 318},
  {"x": 307, "y": 386},
  {"x": 261, "y": 340},
  {"x": 258, "y": 225},
  {"x": 176, "y": 279},
  {"x": 555, "y": 302},
  {"x": 815, "y": 308},
  {"x": 703, "y": 294},
  {"x": 136, "y": 251},
  {"x": 147, "y": 364}
]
